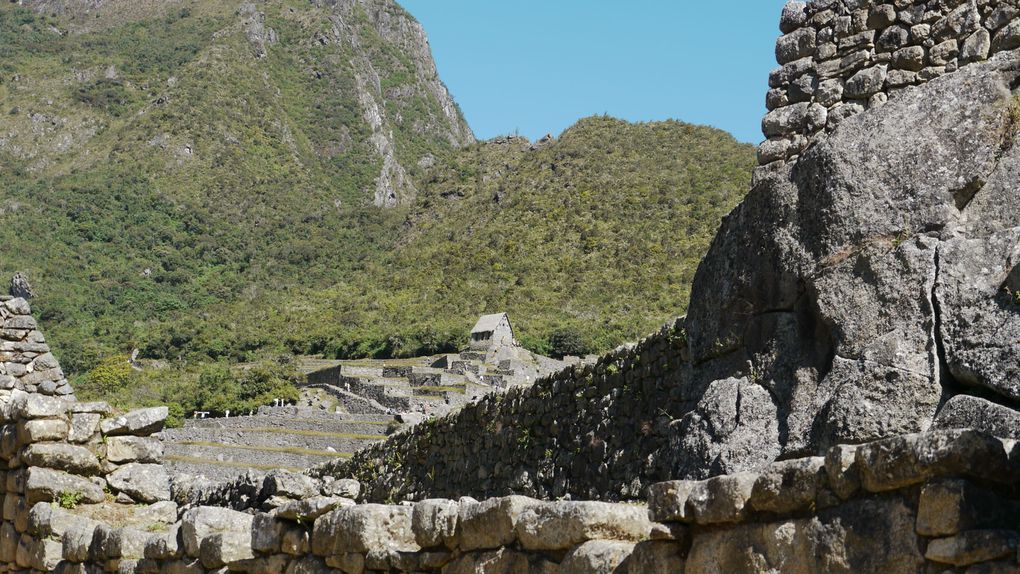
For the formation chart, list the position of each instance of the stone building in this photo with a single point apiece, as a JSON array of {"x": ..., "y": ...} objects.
[{"x": 492, "y": 331}]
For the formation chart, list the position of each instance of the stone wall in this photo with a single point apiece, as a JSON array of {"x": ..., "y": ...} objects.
[
  {"x": 945, "y": 501},
  {"x": 841, "y": 57},
  {"x": 597, "y": 432},
  {"x": 26, "y": 363}
]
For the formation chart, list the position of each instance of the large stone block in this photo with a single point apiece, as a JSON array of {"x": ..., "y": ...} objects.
[
  {"x": 949, "y": 506},
  {"x": 142, "y": 482},
  {"x": 902, "y": 461},
  {"x": 36, "y": 406},
  {"x": 204, "y": 521},
  {"x": 492, "y": 523},
  {"x": 435, "y": 522},
  {"x": 722, "y": 499},
  {"x": 968, "y": 412},
  {"x": 874, "y": 536},
  {"x": 61, "y": 456},
  {"x": 656, "y": 557},
  {"x": 226, "y": 547},
  {"x": 141, "y": 422},
  {"x": 667, "y": 501},
  {"x": 39, "y": 430},
  {"x": 46, "y": 485},
  {"x": 596, "y": 557},
  {"x": 789, "y": 486},
  {"x": 973, "y": 546},
  {"x": 364, "y": 528},
  {"x": 121, "y": 449},
  {"x": 308, "y": 509},
  {"x": 565, "y": 524}
]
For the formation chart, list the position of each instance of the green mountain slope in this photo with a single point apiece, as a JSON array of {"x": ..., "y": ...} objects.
[{"x": 207, "y": 180}]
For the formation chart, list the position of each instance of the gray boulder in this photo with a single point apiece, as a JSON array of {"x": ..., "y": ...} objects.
[
  {"x": 20, "y": 287},
  {"x": 141, "y": 422},
  {"x": 856, "y": 287},
  {"x": 963, "y": 411},
  {"x": 142, "y": 482}
]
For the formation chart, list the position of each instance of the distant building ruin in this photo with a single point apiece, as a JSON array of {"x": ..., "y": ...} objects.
[{"x": 492, "y": 331}]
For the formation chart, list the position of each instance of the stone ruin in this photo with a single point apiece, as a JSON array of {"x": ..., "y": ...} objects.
[{"x": 843, "y": 401}]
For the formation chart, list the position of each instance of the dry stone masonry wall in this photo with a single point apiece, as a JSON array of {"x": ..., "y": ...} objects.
[
  {"x": 592, "y": 431},
  {"x": 26, "y": 363},
  {"x": 840, "y": 57}
]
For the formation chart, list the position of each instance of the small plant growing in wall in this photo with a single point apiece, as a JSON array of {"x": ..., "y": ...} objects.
[{"x": 69, "y": 499}]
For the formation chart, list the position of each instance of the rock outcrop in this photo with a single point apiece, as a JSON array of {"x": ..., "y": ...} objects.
[{"x": 879, "y": 286}]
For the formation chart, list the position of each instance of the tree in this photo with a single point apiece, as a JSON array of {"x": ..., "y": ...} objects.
[{"x": 567, "y": 341}]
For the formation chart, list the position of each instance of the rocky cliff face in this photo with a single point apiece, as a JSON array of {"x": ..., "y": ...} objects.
[
  {"x": 861, "y": 288},
  {"x": 372, "y": 55}
]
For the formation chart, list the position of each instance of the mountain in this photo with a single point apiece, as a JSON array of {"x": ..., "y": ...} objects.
[{"x": 208, "y": 180}]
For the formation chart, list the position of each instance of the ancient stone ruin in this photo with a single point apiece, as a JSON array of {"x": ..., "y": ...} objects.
[{"x": 842, "y": 396}]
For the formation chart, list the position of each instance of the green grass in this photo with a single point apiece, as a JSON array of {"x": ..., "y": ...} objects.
[
  {"x": 279, "y": 449},
  {"x": 442, "y": 389},
  {"x": 199, "y": 460},
  {"x": 308, "y": 433}
]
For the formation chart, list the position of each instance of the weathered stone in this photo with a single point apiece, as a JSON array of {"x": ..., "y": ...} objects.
[
  {"x": 142, "y": 482},
  {"x": 866, "y": 82},
  {"x": 121, "y": 449},
  {"x": 964, "y": 411},
  {"x": 39, "y": 430},
  {"x": 909, "y": 58},
  {"x": 949, "y": 506},
  {"x": 706, "y": 441},
  {"x": 34, "y": 406},
  {"x": 794, "y": 16},
  {"x": 860, "y": 536},
  {"x": 492, "y": 523},
  {"x": 976, "y": 47},
  {"x": 343, "y": 488},
  {"x": 881, "y": 16},
  {"x": 973, "y": 546},
  {"x": 76, "y": 542},
  {"x": 596, "y": 557},
  {"x": 308, "y": 509},
  {"x": 46, "y": 485},
  {"x": 364, "y": 528},
  {"x": 563, "y": 525},
  {"x": 45, "y": 520},
  {"x": 204, "y": 521},
  {"x": 290, "y": 485},
  {"x": 434, "y": 523},
  {"x": 166, "y": 546},
  {"x": 225, "y": 547},
  {"x": 842, "y": 471},
  {"x": 789, "y": 486},
  {"x": 141, "y": 422},
  {"x": 794, "y": 118},
  {"x": 656, "y": 557},
  {"x": 667, "y": 501},
  {"x": 722, "y": 499},
  {"x": 795, "y": 45},
  {"x": 163, "y": 512},
  {"x": 126, "y": 543},
  {"x": 902, "y": 461},
  {"x": 942, "y": 54},
  {"x": 61, "y": 456}
]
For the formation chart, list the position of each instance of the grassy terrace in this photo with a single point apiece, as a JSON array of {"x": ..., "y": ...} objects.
[
  {"x": 281, "y": 449},
  {"x": 199, "y": 460},
  {"x": 298, "y": 432}
]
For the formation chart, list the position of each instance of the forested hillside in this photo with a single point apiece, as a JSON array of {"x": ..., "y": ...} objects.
[{"x": 219, "y": 181}]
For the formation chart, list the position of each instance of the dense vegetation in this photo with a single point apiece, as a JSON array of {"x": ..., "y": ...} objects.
[{"x": 166, "y": 190}]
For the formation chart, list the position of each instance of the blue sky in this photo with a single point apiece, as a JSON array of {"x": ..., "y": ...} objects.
[{"x": 537, "y": 66}]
